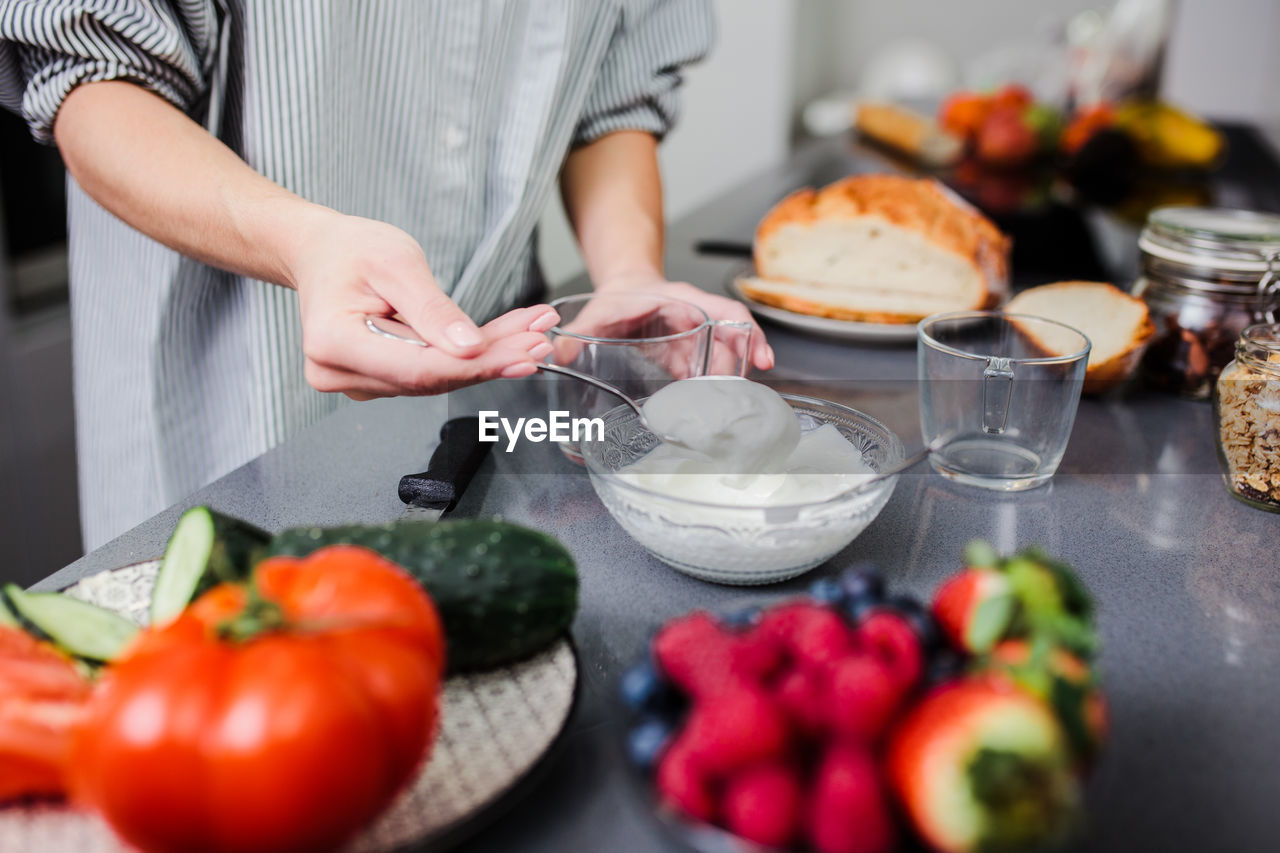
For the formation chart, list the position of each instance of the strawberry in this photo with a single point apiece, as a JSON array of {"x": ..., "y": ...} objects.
[
  {"x": 1061, "y": 679},
  {"x": 974, "y": 608},
  {"x": 762, "y": 803},
  {"x": 980, "y": 765},
  {"x": 848, "y": 810},
  {"x": 816, "y": 635},
  {"x": 895, "y": 643},
  {"x": 739, "y": 726},
  {"x": 682, "y": 784},
  {"x": 803, "y": 695},
  {"x": 693, "y": 651},
  {"x": 863, "y": 697}
]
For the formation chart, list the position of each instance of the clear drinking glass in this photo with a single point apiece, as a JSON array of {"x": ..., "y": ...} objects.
[
  {"x": 638, "y": 342},
  {"x": 1006, "y": 386}
]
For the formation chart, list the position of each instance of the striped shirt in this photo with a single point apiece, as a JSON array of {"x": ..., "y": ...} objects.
[{"x": 447, "y": 118}]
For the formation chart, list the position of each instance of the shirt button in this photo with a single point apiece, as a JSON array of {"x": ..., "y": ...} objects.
[{"x": 454, "y": 137}]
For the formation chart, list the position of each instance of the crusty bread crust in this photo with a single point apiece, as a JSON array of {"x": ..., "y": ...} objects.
[
  {"x": 1104, "y": 376},
  {"x": 804, "y": 306},
  {"x": 918, "y": 204}
]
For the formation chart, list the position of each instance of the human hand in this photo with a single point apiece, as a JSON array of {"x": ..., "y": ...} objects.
[
  {"x": 726, "y": 356},
  {"x": 346, "y": 267}
]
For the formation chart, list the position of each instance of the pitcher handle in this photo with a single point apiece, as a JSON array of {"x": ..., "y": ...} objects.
[
  {"x": 997, "y": 388},
  {"x": 738, "y": 327}
]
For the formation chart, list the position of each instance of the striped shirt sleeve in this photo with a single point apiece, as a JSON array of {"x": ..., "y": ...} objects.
[
  {"x": 637, "y": 87},
  {"x": 48, "y": 47}
]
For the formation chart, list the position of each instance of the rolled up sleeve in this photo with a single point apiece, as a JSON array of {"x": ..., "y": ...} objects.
[
  {"x": 638, "y": 84},
  {"x": 48, "y": 47}
]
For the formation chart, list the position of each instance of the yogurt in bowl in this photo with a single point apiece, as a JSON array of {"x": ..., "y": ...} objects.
[{"x": 717, "y": 515}]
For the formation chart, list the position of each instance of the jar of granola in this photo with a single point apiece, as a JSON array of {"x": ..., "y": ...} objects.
[{"x": 1247, "y": 413}]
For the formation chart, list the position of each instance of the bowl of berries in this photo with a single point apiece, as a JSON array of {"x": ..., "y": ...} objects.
[{"x": 849, "y": 720}]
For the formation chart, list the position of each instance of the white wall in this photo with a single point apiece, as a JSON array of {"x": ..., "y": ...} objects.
[
  {"x": 736, "y": 120},
  {"x": 1223, "y": 57}
]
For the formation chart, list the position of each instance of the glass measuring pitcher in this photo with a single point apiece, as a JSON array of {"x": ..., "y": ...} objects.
[{"x": 638, "y": 342}]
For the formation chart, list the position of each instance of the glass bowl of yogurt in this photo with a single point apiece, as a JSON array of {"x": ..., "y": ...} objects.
[{"x": 746, "y": 526}]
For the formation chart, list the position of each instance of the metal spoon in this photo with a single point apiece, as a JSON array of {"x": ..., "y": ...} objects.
[
  {"x": 902, "y": 465},
  {"x": 553, "y": 368}
]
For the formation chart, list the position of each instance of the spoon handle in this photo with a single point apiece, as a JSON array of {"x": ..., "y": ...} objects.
[
  {"x": 907, "y": 462},
  {"x": 598, "y": 383}
]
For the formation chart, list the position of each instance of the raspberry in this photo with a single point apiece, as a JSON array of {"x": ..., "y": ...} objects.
[
  {"x": 817, "y": 635},
  {"x": 803, "y": 695},
  {"x": 762, "y": 803},
  {"x": 682, "y": 784},
  {"x": 863, "y": 695},
  {"x": 693, "y": 651},
  {"x": 756, "y": 655},
  {"x": 848, "y": 810},
  {"x": 894, "y": 642},
  {"x": 740, "y": 726}
]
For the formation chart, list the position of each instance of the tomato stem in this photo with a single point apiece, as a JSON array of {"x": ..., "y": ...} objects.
[{"x": 259, "y": 616}]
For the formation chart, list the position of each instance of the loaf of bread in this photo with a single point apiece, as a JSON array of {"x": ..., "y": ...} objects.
[
  {"x": 1117, "y": 325},
  {"x": 910, "y": 132},
  {"x": 879, "y": 249}
]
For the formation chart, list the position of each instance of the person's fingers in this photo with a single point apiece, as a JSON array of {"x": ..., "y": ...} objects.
[
  {"x": 723, "y": 308},
  {"x": 381, "y": 366},
  {"x": 404, "y": 280},
  {"x": 535, "y": 318}
]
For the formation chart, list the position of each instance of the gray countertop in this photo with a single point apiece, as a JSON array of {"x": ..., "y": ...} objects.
[{"x": 1187, "y": 579}]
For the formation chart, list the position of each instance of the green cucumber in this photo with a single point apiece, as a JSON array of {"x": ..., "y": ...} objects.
[
  {"x": 77, "y": 627},
  {"x": 503, "y": 591},
  {"x": 206, "y": 548}
]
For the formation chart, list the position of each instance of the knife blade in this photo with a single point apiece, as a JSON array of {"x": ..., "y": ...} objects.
[{"x": 433, "y": 492}]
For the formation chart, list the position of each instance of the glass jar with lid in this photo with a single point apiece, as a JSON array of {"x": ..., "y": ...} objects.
[
  {"x": 1246, "y": 405},
  {"x": 1206, "y": 274}
]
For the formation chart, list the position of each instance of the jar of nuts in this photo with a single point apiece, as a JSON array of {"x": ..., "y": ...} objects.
[{"x": 1247, "y": 414}]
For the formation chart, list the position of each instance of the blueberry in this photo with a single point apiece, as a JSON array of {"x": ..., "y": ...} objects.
[
  {"x": 641, "y": 686},
  {"x": 858, "y": 609},
  {"x": 645, "y": 741},
  {"x": 827, "y": 591},
  {"x": 863, "y": 582},
  {"x": 918, "y": 616},
  {"x": 740, "y": 618},
  {"x": 943, "y": 666}
]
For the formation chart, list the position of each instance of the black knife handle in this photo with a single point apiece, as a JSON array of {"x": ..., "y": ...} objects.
[
  {"x": 451, "y": 468},
  {"x": 732, "y": 248}
]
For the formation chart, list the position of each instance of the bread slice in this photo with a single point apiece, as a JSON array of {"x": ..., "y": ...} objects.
[
  {"x": 1117, "y": 325},
  {"x": 880, "y": 249}
]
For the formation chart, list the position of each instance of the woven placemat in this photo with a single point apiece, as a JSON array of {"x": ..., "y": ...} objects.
[{"x": 494, "y": 727}]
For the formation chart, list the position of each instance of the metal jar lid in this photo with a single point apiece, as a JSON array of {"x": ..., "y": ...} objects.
[{"x": 1215, "y": 249}]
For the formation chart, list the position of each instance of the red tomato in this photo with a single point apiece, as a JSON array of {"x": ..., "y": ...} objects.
[
  {"x": 279, "y": 727},
  {"x": 41, "y": 698}
]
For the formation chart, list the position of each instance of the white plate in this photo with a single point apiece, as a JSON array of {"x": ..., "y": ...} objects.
[
  {"x": 494, "y": 728},
  {"x": 849, "y": 330}
]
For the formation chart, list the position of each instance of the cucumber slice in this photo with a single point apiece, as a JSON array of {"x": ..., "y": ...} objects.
[
  {"x": 75, "y": 626},
  {"x": 206, "y": 548},
  {"x": 7, "y": 619}
]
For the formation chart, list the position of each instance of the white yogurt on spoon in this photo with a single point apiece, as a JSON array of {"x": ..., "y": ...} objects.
[{"x": 741, "y": 444}]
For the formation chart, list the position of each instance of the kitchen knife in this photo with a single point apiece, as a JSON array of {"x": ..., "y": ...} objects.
[
  {"x": 731, "y": 248},
  {"x": 432, "y": 493}
]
